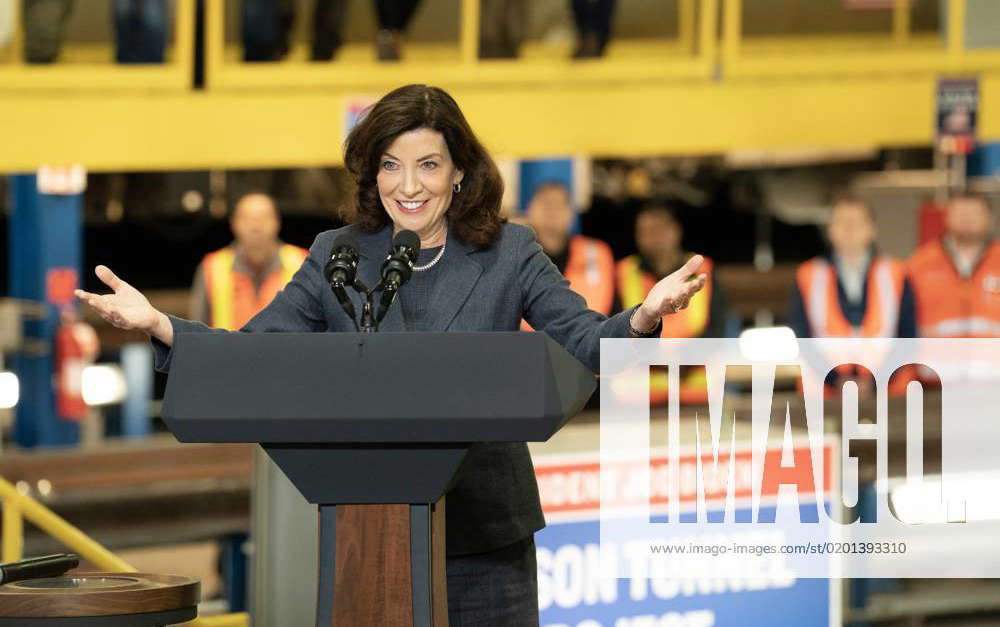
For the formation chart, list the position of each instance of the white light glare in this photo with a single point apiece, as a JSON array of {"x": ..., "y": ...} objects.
[
  {"x": 769, "y": 344},
  {"x": 10, "y": 390},
  {"x": 103, "y": 384}
]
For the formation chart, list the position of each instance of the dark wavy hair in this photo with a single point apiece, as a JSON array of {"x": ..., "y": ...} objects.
[{"x": 474, "y": 214}]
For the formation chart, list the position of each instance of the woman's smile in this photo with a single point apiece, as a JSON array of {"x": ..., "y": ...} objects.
[{"x": 411, "y": 206}]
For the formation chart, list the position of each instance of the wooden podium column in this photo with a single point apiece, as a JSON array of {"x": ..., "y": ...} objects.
[{"x": 382, "y": 565}]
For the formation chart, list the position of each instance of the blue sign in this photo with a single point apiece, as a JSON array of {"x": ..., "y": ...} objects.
[{"x": 571, "y": 592}]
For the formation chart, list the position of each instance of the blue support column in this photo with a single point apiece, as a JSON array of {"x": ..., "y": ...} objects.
[
  {"x": 234, "y": 571},
  {"x": 137, "y": 364},
  {"x": 985, "y": 161},
  {"x": 45, "y": 255}
]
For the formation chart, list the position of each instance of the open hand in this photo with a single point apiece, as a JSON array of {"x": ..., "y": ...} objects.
[
  {"x": 670, "y": 295},
  {"x": 126, "y": 307}
]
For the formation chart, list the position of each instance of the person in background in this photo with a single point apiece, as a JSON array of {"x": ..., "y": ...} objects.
[
  {"x": 956, "y": 279},
  {"x": 140, "y": 30},
  {"x": 44, "y": 28},
  {"x": 658, "y": 235},
  {"x": 586, "y": 262},
  {"x": 593, "y": 26},
  {"x": 234, "y": 283},
  {"x": 267, "y": 27},
  {"x": 853, "y": 290}
]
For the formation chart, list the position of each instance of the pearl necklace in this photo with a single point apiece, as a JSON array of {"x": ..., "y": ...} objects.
[{"x": 430, "y": 264}]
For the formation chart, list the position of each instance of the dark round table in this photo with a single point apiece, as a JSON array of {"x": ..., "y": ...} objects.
[{"x": 100, "y": 600}]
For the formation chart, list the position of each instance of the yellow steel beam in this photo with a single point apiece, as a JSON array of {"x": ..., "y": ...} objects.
[
  {"x": 469, "y": 36},
  {"x": 215, "y": 41},
  {"x": 686, "y": 26},
  {"x": 901, "y": 16},
  {"x": 184, "y": 19},
  {"x": 495, "y": 74},
  {"x": 291, "y": 128},
  {"x": 732, "y": 28},
  {"x": 17, "y": 36},
  {"x": 956, "y": 27},
  {"x": 816, "y": 65},
  {"x": 708, "y": 25}
]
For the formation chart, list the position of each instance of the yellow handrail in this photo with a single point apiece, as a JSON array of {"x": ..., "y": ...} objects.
[
  {"x": 18, "y": 506},
  {"x": 13, "y": 532},
  {"x": 57, "y": 527}
]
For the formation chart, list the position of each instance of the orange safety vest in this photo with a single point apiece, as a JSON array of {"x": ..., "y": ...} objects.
[
  {"x": 947, "y": 304},
  {"x": 590, "y": 269},
  {"x": 231, "y": 295},
  {"x": 633, "y": 285},
  {"x": 817, "y": 280}
]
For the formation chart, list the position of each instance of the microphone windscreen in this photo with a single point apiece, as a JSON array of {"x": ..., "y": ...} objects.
[
  {"x": 346, "y": 239},
  {"x": 408, "y": 239}
]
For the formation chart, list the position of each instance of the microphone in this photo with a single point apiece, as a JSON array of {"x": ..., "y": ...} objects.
[
  {"x": 398, "y": 267},
  {"x": 341, "y": 269},
  {"x": 37, "y": 567},
  {"x": 343, "y": 264}
]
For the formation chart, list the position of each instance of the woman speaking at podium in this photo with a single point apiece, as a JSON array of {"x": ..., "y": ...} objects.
[{"x": 418, "y": 166}]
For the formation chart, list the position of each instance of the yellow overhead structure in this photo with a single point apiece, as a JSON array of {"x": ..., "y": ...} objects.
[{"x": 711, "y": 90}]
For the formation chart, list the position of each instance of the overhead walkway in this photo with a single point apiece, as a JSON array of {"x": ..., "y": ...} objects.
[{"x": 711, "y": 89}]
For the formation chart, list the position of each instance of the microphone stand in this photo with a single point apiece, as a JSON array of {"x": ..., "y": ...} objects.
[{"x": 369, "y": 322}]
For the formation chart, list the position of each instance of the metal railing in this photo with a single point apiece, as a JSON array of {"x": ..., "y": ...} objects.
[
  {"x": 691, "y": 56},
  {"x": 175, "y": 73},
  {"x": 18, "y": 507},
  {"x": 896, "y": 52},
  {"x": 700, "y": 51}
]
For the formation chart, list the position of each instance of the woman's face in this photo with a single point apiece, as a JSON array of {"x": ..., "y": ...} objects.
[{"x": 415, "y": 178}]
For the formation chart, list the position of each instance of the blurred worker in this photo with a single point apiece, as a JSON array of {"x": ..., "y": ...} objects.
[
  {"x": 853, "y": 291},
  {"x": 586, "y": 262},
  {"x": 658, "y": 236},
  {"x": 593, "y": 26},
  {"x": 140, "y": 30},
  {"x": 956, "y": 279},
  {"x": 267, "y": 27},
  {"x": 44, "y": 27},
  {"x": 232, "y": 284}
]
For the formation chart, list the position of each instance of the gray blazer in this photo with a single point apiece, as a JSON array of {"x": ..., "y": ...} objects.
[{"x": 495, "y": 499}]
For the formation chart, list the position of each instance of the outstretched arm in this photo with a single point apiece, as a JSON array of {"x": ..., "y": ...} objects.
[
  {"x": 551, "y": 306},
  {"x": 127, "y": 308}
]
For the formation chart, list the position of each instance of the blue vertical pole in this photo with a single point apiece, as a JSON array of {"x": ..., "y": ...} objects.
[
  {"x": 137, "y": 364},
  {"x": 45, "y": 254}
]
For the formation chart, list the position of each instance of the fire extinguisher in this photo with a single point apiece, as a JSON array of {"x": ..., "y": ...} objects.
[{"x": 70, "y": 362}]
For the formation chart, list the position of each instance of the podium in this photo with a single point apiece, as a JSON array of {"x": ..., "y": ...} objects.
[{"x": 373, "y": 429}]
